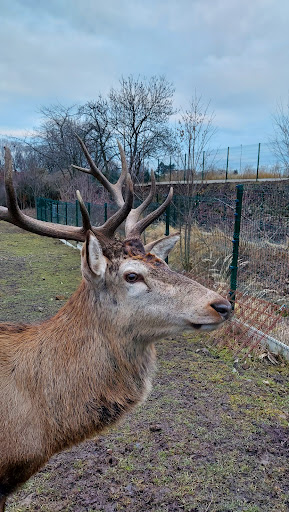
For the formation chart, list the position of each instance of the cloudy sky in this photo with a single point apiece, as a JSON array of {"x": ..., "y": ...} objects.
[{"x": 232, "y": 52}]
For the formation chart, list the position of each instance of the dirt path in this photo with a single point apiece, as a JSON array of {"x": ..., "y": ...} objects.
[{"x": 210, "y": 438}]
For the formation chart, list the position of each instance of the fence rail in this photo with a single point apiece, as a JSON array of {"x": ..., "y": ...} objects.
[{"x": 251, "y": 161}]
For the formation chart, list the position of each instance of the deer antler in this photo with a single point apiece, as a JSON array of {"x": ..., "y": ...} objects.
[
  {"x": 110, "y": 226},
  {"x": 114, "y": 189},
  {"x": 15, "y": 216},
  {"x": 133, "y": 226},
  {"x": 86, "y": 224}
]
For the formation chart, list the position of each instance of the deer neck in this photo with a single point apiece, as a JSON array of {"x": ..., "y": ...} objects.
[
  {"x": 87, "y": 320},
  {"x": 92, "y": 374}
]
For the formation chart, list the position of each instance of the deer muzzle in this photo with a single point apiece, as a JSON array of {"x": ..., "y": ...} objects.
[{"x": 222, "y": 311}]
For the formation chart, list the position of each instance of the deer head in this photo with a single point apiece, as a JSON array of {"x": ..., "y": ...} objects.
[{"x": 142, "y": 296}]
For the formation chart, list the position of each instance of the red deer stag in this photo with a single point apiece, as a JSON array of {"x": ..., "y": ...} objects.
[{"x": 68, "y": 378}]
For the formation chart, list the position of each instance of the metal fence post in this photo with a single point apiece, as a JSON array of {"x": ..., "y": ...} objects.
[
  {"x": 105, "y": 212},
  {"x": 258, "y": 161},
  {"x": 227, "y": 166},
  {"x": 167, "y": 225},
  {"x": 76, "y": 212},
  {"x": 234, "y": 265},
  {"x": 37, "y": 208},
  {"x": 185, "y": 170},
  {"x": 174, "y": 215},
  {"x": 66, "y": 212},
  {"x": 261, "y": 211},
  {"x": 203, "y": 166},
  {"x": 225, "y": 212}
]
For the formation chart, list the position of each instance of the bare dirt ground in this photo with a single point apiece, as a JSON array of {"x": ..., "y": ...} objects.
[{"x": 212, "y": 437}]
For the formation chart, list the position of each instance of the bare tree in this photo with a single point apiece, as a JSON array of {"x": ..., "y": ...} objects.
[
  {"x": 280, "y": 139},
  {"x": 140, "y": 112},
  {"x": 137, "y": 114},
  {"x": 31, "y": 178},
  {"x": 98, "y": 134},
  {"x": 36, "y": 183},
  {"x": 23, "y": 154},
  {"x": 195, "y": 132},
  {"x": 55, "y": 138}
]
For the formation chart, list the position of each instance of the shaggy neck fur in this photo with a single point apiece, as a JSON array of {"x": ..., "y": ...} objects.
[{"x": 84, "y": 373}]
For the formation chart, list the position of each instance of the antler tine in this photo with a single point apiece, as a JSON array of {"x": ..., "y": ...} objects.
[
  {"x": 114, "y": 189},
  {"x": 86, "y": 224},
  {"x": 135, "y": 214},
  {"x": 110, "y": 226},
  {"x": 141, "y": 225},
  {"x": 124, "y": 170}
]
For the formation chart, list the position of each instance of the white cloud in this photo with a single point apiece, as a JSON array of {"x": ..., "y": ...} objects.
[{"x": 232, "y": 52}]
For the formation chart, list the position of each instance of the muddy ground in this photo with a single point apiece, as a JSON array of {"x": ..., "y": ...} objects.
[{"x": 212, "y": 437}]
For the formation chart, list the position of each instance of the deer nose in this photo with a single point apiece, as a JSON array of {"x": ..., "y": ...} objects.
[{"x": 224, "y": 308}]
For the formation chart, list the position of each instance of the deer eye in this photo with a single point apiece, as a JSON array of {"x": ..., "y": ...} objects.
[{"x": 132, "y": 277}]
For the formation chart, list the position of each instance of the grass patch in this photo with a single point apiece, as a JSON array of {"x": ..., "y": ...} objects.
[{"x": 35, "y": 272}]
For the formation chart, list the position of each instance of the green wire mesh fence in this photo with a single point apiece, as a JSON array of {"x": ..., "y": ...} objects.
[
  {"x": 63, "y": 212},
  {"x": 252, "y": 161}
]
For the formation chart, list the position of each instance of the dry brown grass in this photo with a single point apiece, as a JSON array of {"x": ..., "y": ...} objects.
[
  {"x": 209, "y": 254},
  {"x": 262, "y": 272},
  {"x": 178, "y": 176}
]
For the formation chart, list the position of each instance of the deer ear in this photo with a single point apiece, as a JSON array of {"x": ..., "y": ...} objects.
[
  {"x": 163, "y": 246},
  {"x": 93, "y": 262}
]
